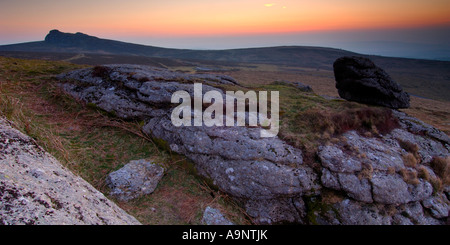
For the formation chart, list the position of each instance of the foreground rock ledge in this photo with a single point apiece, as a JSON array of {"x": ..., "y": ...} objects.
[
  {"x": 269, "y": 176},
  {"x": 35, "y": 189},
  {"x": 239, "y": 162}
]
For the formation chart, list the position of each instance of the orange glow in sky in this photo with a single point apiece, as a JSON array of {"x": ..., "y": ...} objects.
[{"x": 205, "y": 17}]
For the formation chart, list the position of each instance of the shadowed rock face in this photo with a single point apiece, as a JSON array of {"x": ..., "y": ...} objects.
[
  {"x": 268, "y": 175},
  {"x": 359, "y": 79},
  {"x": 36, "y": 189}
]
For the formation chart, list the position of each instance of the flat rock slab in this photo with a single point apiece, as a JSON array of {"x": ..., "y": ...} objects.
[
  {"x": 213, "y": 216},
  {"x": 36, "y": 189},
  {"x": 137, "y": 178}
]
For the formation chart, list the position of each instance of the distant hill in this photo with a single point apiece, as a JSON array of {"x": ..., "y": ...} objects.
[
  {"x": 59, "y": 42},
  {"x": 427, "y": 78},
  {"x": 303, "y": 56}
]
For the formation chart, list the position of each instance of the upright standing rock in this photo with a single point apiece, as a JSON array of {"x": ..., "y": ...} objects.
[{"x": 359, "y": 79}]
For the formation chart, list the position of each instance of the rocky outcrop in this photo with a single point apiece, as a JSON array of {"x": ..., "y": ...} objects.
[
  {"x": 387, "y": 179},
  {"x": 359, "y": 79},
  {"x": 418, "y": 127},
  {"x": 137, "y": 178},
  {"x": 372, "y": 170},
  {"x": 236, "y": 159},
  {"x": 36, "y": 189},
  {"x": 302, "y": 87},
  {"x": 359, "y": 180}
]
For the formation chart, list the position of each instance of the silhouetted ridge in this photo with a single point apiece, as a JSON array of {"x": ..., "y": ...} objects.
[
  {"x": 80, "y": 42},
  {"x": 57, "y": 41},
  {"x": 61, "y": 38},
  {"x": 294, "y": 56}
]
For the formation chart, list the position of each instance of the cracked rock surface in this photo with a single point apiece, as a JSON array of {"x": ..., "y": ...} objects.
[
  {"x": 136, "y": 178},
  {"x": 36, "y": 189},
  {"x": 374, "y": 176},
  {"x": 368, "y": 179}
]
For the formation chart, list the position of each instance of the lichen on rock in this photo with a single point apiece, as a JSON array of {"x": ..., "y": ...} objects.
[
  {"x": 267, "y": 175},
  {"x": 36, "y": 189}
]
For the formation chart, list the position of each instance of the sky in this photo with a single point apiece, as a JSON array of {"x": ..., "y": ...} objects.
[{"x": 368, "y": 26}]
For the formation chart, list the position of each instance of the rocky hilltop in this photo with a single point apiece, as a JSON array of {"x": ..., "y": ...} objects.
[
  {"x": 36, "y": 189},
  {"x": 400, "y": 177}
]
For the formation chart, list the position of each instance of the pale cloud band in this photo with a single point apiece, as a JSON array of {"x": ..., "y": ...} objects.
[{"x": 272, "y": 4}]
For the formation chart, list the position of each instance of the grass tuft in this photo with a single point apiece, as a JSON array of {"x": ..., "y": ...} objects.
[
  {"x": 410, "y": 160},
  {"x": 441, "y": 167},
  {"x": 101, "y": 72},
  {"x": 410, "y": 176}
]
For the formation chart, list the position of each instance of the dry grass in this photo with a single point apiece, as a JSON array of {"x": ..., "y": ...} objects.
[
  {"x": 435, "y": 180},
  {"x": 366, "y": 172},
  {"x": 410, "y": 160},
  {"x": 433, "y": 112},
  {"x": 391, "y": 170},
  {"x": 308, "y": 121},
  {"x": 92, "y": 144},
  {"x": 318, "y": 125},
  {"x": 410, "y": 147},
  {"x": 424, "y": 173},
  {"x": 322, "y": 81},
  {"x": 15, "y": 109},
  {"x": 410, "y": 176},
  {"x": 368, "y": 120},
  {"x": 331, "y": 197},
  {"x": 441, "y": 167}
]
